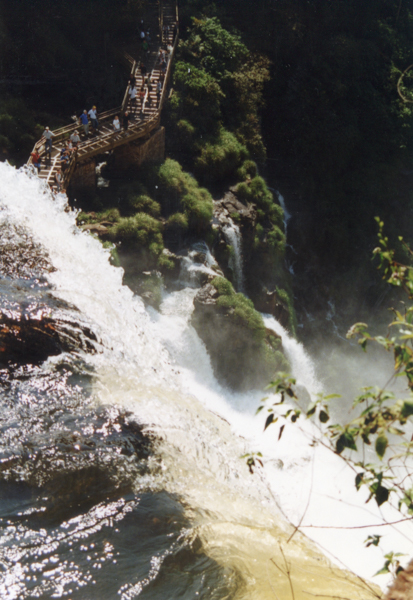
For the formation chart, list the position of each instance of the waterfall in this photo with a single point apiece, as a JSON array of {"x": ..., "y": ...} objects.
[
  {"x": 190, "y": 513},
  {"x": 233, "y": 236},
  {"x": 197, "y": 266},
  {"x": 287, "y": 215}
]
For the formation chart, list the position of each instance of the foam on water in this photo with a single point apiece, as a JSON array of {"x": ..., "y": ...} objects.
[{"x": 157, "y": 366}]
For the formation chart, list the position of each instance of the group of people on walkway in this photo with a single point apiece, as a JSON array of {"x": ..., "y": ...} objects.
[{"x": 89, "y": 119}]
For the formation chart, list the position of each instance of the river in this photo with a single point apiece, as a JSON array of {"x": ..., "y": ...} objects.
[{"x": 120, "y": 461}]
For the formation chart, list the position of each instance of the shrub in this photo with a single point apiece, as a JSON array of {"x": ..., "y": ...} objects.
[
  {"x": 286, "y": 299},
  {"x": 276, "y": 241},
  {"x": 198, "y": 207},
  {"x": 220, "y": 157},
  {"x": 247, "y": 169},
  {"x": 257, "y": 192},
  {"x": 241, "y": 306},
  {"x": 196, "y": 203},
  {"x": 178, "y": 220},
  {"x": 186, "y": 133},
  {"x": 144, "y": 203},
  {"x": 198, "y": 96},
  {"x": 141, "y": 231},
  {"x": 112, "y": 214},
  {"x": 173, "y": 179}
]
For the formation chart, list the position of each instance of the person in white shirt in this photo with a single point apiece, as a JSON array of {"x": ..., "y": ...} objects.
[
  {"x": 132, "y": 95},
  {"x": 75, "y": 139},
  {"x": 94, "y": 118},
  {"x": 116, "y": 123},
  {"x": 47, "y": 135}
]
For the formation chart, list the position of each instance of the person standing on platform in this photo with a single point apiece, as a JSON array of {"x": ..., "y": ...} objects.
[
  {"x": 142, "y": 97},
  {"x": 132, "y": 95},
  {"x": 36, "y": 160},
  {"x": 85, "y": 122},
  {"x": 158, "y": 91},
  {"x": 59, "y": 179},
  {"x": 116, "y": 124},
  {"x": 94, "y": 118},
  {"x": 125, "y": 120},
  {"x": 47, "y": 135},
  {"x": 75, "y": 139}
]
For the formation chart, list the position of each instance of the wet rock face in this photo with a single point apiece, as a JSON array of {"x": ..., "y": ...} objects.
[
  {"x": 230, "y": 207},
  {"x": 21, "y": 257},
  {"x": 270, "y": 303},
  {"x": 26, "y": 339},
  {"x": 33, "y": 324},
  {"x": 240, "y": 359}
]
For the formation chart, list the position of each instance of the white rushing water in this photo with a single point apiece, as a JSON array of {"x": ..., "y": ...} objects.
[
  {"x": 156, "y": 365},
  {"x": 233, "y": 236}
]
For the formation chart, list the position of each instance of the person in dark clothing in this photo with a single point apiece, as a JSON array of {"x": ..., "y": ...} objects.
[
  {"x": 143, "y": 69},
  {"x": 125, "y": 121},
  {"x": 85, "y": 122}
]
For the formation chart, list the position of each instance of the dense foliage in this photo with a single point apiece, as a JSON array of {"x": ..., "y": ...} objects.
[
  {"x": 218, "y": 91},
  {"x": 339, "y": 136}
]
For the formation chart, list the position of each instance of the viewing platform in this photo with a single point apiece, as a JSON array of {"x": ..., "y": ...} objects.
[{"x": 145, "y": 113}]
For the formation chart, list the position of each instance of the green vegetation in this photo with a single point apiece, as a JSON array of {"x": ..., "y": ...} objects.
[
  {"x": 218, "y": 87},
  {"x": 241, "y": 307},
  {"x": 268, "y": 355},
  {"x": 255, "y": 190},
  {"x": 141, "y": 232},
  {"x": 184, "y": 195},
  {"x": 220, "y": 157}
]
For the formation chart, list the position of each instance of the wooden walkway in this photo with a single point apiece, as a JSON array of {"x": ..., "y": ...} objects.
[{"x": 145, "y": 116}]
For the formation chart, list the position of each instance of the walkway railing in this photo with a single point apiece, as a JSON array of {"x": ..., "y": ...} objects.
[{"x": 139, "y": 128}]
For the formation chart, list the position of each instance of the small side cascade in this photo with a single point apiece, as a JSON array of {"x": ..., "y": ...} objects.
[
  {"x": 287, "y": 215},
  {"x": 233, "y": 237},
  {"x": 101, "y": 181},
  {"x": 198, "y": 266}
]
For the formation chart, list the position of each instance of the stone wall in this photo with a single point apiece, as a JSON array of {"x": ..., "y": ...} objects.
[
  {"x": 83, "y": 179},
  {"x": 136, "y": 153}
]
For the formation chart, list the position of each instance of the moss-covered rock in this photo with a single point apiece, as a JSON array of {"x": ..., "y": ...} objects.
[{"x": 244, "y": 354}]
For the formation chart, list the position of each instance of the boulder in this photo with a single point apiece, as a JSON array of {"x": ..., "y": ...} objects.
[
  {"x": 31, "y": 339},
  {"x": 244, "y": 355}
]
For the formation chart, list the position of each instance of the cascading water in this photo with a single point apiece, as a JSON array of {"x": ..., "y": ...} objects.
[
  {"x": 121, "y": 470},
  {"x": 233, "y": 236}
]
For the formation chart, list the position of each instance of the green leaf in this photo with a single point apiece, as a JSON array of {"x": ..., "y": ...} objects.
[
  {"x": 407, "y": 409},
  {"x": 311, "y": 409},
  {"x": 372, "y": 540},
  {"x": 381, "y": 444},
  {"x": 359, "y": 480},
  {"x": 381, "y": 495},
  {"x": 346, "y": 440},
  {"x": 269, "y": 420},
  {"x": 323, "y": 416},
  {"x": 384, "y": 570}
]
